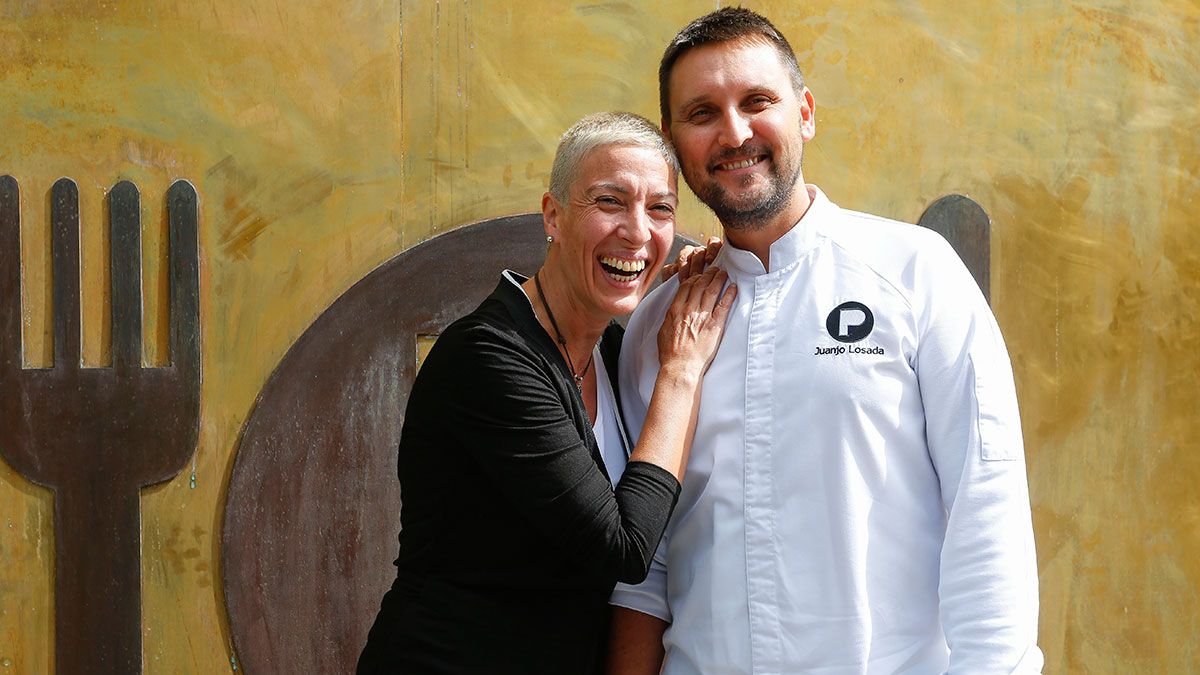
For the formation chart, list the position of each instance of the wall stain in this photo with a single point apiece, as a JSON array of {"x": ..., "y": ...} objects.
[
  {"x": 1130, "y": 34},
  {"x": 251, "y": 206}
]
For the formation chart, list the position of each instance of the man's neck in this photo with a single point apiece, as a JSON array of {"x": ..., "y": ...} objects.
[{"x": 758, "y": 240}]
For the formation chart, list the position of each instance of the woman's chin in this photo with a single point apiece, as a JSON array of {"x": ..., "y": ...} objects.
[
  {"x": 621, "y": 296},
  {"x": 619, "y": 305},
  {"x": 628, "y": 303}
]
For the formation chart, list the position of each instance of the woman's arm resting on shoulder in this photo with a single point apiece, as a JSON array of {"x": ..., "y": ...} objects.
[
  {"x": 687, "y": 343},
  {"x": 508, "y": 415}
]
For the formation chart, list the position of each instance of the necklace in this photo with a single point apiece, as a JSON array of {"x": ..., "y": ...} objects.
[{"x": 562, "y": 341}]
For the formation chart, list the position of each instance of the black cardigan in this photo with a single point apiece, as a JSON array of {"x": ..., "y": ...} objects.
[{"x": 512, "y": 535}]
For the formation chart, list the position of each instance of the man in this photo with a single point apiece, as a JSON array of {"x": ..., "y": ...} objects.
[{"x": 855, "y": 500}]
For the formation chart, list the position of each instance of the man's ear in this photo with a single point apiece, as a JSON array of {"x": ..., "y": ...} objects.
[
  {"x": 666, "y": 129},
  {"x": 808, "y": 115},
  {"x": 551, "y": 211}
]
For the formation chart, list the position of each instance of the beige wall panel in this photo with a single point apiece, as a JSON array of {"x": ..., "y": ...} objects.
[
  {"x": 490, "y": 86},
  {"x": 325, "y": 137},
  {"x": 286, "y": 118}
]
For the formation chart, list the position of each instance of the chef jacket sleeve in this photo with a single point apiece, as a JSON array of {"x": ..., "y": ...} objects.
[{"x": 989, "y": 587}]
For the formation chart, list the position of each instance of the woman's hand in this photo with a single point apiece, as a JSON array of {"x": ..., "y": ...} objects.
[
  {"x": 687, "y": 342},
  {"x": 692, "y": 328},
  {"x": 692, "y": 260}
]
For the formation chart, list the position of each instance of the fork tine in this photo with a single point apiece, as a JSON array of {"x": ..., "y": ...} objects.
[
  {"x": 10, "y": 275},
  {"x": 64, "y": 257},
  {"x": 182, "y": 207},
  {"x": 124, "y": 214}
]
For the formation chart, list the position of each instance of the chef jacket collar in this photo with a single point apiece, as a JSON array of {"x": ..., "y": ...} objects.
[{"x": 786, "y": 250}]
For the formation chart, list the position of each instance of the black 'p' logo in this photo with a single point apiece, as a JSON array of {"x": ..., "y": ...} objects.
[{"x": 850, "y": 322}]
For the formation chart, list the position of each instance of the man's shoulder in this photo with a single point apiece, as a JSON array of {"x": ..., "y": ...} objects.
[
  {"x": 639, "y": 350},
  {"x": 875, "y": 236},
  {"x": 650, "y": 311},
  {"x": 891, "y": 248},
  {"x": 915, "y": 261}
]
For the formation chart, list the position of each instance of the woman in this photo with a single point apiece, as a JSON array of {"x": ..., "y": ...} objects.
[{"x": 513, "y": 534}]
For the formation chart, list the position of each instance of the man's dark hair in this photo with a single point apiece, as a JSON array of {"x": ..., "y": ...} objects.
[{"x": 724, "y": 25}]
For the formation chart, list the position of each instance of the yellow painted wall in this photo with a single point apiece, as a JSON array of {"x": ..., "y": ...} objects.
[{"x": 326, "y": 136}]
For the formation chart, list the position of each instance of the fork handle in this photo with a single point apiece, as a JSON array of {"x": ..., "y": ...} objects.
[{"x": 97, "y": 588}]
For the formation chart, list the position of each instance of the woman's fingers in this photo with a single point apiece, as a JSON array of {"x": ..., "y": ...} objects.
[
  {"x": 711, "y": 249},
  {"x": 695, "y": 262},
  {"x": 721, "y": 310},
  {"x": 669, "y": 270},
  {"x": 712, "y": 289},
  {"x": 693, "y": 326},
  {"x": 692, "y": 260},
  {"x": 683, "y": 263},
  {"x": 699, "y": 284}
]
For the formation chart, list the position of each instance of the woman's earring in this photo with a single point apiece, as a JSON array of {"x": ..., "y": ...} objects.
[{"x": 549, "y": 239}]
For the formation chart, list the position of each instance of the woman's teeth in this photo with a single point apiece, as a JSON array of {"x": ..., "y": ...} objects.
[{"x": 622, "y": 270}]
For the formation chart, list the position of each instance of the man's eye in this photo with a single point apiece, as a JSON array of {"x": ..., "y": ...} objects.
[
  {"x": 699, "y": 115},
  {"x": 607, "y": 200}
]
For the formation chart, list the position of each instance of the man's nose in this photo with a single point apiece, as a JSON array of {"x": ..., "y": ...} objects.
[{"x": 735, "y": 129}]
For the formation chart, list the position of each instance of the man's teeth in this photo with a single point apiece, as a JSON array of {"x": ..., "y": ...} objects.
[
  {"x": 750, "y": 161},
  {"x": 622, "y": 269}
]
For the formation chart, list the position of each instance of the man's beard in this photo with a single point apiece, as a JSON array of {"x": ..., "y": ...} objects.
[{"x": 761, "y": 211}]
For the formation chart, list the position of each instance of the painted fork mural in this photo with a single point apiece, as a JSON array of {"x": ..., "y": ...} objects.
[{"x": 97, "y": 436}]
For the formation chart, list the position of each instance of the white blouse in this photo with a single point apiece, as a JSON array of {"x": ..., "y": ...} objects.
[{"x": 607, "y": 427}]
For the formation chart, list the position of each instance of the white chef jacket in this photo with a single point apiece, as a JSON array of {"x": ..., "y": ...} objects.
[{"x": 856, "y": 499}]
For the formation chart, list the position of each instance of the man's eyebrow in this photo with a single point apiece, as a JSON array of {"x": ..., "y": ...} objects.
[
  {"x": 665, "y": 194},
  {"x": 691, "y": 102}
]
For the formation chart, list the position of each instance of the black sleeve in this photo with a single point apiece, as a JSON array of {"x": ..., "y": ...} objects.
[{"x": 506, "y": 411}]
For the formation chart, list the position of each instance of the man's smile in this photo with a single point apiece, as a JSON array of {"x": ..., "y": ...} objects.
[{"x": 740, "y": 164}]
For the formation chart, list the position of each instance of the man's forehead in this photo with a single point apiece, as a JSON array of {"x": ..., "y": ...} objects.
[{"x": 722, "y": 59}]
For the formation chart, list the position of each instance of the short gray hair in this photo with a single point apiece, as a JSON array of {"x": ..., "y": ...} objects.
[{"x": 603, "y": 129}]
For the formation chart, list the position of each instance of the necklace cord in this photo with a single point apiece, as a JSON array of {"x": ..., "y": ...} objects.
[{"x": 578, "y": 376}]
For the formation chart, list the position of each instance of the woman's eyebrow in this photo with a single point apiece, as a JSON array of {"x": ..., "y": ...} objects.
[{"x": 607, "y": 187}]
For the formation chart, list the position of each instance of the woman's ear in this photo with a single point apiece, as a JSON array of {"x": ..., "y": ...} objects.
[{"x": 551, "y": 212}]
